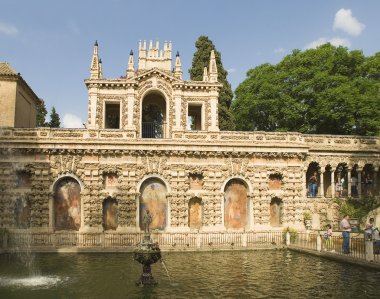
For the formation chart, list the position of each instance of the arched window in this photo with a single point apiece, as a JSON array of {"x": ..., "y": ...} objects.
[
  {"x": 153, "y": 199},
  {"x": 110, "y": 214},
  {"x": 235, "y": 205},
  {"x": 153, "y": 116},
  {"x": 67, "y": 204}
]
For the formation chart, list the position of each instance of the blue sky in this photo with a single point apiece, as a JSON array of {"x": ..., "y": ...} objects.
[{"x": 51, "y": 42}]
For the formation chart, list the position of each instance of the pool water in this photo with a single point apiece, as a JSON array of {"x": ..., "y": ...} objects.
[{"x": 224, "y": 274}]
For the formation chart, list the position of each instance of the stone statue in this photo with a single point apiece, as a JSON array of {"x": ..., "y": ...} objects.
[{"x": 147, "y": 219}]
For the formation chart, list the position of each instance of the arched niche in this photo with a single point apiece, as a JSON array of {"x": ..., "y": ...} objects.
[
  {"x": 22, "y": 212},
  {"x": 312, "y": 179},
  {"x": 153, "y": 115},
  {"x": 110, "y": 214},
  {"x": 235, "y": 204},
  {"x": 195, "y": 213},
  {"x": 276, "y": 211},
  {"x": 153, "y": 198},
  {"x": 67, "y": 204}
]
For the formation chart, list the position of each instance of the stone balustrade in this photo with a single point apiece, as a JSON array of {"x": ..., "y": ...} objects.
[{"x": 289, "y": 139}]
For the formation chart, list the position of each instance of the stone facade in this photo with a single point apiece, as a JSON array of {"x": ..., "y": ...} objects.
[{"x": 153, "y": 144}]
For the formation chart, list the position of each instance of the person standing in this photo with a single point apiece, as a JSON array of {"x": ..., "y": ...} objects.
[{"x": 345, "y": 227}]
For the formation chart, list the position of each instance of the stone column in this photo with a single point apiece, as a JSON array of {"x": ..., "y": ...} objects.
[
  {"x": 131, "y": 103},
  {"x": 375, "y": 182},
  {"x": 213, "y": 112},
  {"x": 349, "y": 182},
  {"x": 304, "y": 186},
  {"x": 177, "y": 109},
  {"x": 321, "y": 187},
  {"x": 332, "y": 183},
  {"x": 359, "y": 187}
]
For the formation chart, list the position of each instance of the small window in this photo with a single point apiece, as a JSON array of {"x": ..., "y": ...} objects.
[
  {"x": 112, "y": 116},
  {"x": 194, "y": 117}
]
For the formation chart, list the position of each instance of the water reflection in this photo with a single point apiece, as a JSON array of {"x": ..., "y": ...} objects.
[{"x": 234, "y": 274}]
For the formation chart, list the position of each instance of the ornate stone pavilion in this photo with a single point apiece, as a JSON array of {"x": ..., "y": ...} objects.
[{"x": 153, "y": 144}]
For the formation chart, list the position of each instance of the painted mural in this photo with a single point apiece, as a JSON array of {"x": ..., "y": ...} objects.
[
  {"x": 235, "y": 205},
  {"x": 153, "y": 198},
  {"x": 195, "y": 213},
  {"x": 275, "y": 212},
  {"x": 67, "y": 205},
  {"x": 22, "y": 213},
  {"x": 110, "y": 214}
]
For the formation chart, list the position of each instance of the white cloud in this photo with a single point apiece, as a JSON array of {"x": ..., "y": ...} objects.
[
  {"x": 279, "y": 51},
  {"x": 346, "y": 22},
  {"x": 231, "y": 70},
  {"x": 72, "y": 121},
  {"x": 335, "y": 41},
  {"x": 8, "y": 29}
]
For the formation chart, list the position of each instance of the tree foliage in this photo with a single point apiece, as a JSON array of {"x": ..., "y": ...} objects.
[
  {"x": 328, "y": 90},
  {"x": 41, "y": 114},
  {"x": 201, "y": 60},
  {"x": 54, "y": 119}
]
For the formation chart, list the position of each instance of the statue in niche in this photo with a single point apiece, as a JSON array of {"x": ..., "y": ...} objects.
[
  {"x": 147, "y": 220},
  {"x": 196, "y": 181}
]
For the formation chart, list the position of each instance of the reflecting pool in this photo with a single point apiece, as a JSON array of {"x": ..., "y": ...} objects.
[{"x": 225, "y": 274}]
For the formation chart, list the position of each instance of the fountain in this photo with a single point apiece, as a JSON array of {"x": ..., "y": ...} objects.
[{"x": 147, "y": 253}]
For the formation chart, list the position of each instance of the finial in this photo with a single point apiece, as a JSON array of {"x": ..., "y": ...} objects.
[
  {"x": 96, "y": 43},
  {"x": 177, "y": 55},
  {"x": 131, "y": 53}
]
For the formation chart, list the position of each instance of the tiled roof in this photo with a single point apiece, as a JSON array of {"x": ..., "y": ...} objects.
[{"x": 6, "y": 69}]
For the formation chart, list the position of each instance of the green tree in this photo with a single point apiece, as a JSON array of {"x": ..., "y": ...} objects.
[
  {"x": 201, "y": 60},
  {"x": 54, "y": 119},
  {"x": 41, "y": 114},
  {"x": 327, "y": 90}
]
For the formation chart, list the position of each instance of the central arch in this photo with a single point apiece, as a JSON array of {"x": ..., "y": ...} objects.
[
  {"x": 153, "y": 199},
  {"x": 153, "y": 115},
  {"x": 235, "y": 204}
]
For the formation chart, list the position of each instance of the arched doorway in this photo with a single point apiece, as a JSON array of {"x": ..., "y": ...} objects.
[
  {"x": 67, "y": 204},
  {"x": 235, "y": 205},
  {"x": 195, "y": 213},
  {"x": 110, "y": 214},
  {"x": 153, "y": 198},
  {"x": 312, "y": 179},
  {"x": 153, "y": 116},
  {"x": 276, "y": 212}
]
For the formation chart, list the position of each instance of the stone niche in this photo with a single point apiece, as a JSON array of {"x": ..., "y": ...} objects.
[
  {"x": 23, "y": 179},
  {"x": 110, "y": 180},
  {"x": 22, "y": 212},
  {"x": 196, "y": 181},
  {"x": 275, "y": 181},
  {"x": 110, "y": 214}
]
